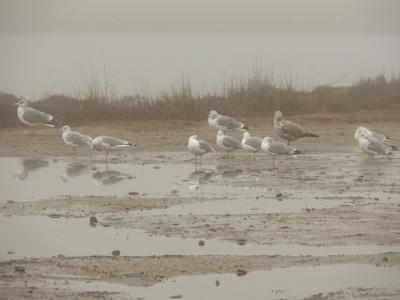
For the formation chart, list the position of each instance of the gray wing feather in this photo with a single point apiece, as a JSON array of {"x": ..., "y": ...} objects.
[
  {"x": 281, "y": 149},
  {"x": 205, "y": 146},
  {"x": 34, "y": 116},
  {"x": 112, "y": 141},
  {"x": 79, "y": 139},
  {"x": 254, "y": 142},
  {"x": 379, "y": 135},
  {"x": 377, "y": 146},
  {"x": 228, "y": 122},
  {"x": 231, "y": 142},
  {"x": 292, "y": 128}
]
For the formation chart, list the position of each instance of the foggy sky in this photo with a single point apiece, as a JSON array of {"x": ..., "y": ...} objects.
[{"x": 361, "y": 16}]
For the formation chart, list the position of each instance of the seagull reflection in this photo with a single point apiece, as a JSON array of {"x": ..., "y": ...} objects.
[
  {"x": 74, "y": 169},
  {"x": 28, "y": 165},
  {"x": 199, "y": 177},
  {"x": 109, "y": 177}
]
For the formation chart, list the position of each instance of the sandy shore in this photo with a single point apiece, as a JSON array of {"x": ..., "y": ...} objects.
[{"x": 366, "y": 208}]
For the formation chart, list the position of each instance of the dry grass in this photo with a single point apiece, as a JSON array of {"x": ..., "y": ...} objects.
[{"x": 254, "y": 96}]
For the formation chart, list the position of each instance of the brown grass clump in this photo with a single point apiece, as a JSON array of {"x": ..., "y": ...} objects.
[{"x": 254, "y": 97}]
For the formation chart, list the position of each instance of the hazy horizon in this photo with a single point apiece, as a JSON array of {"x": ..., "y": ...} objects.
[{"x": 207, "y": 16}]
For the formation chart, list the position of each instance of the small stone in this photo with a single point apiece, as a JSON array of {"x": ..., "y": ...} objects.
[
  {"x": 93, "y": 221},
  {"x": 201, "y": 243},
  {"x": 385, "y": 259},
  {"x": 133, "y": 194},
  {"x": 217, "y": 283},
  {"x": 19, "y": 269},
  {"x": 176, "y": 297},
  {"x": 241, "y": 242},
  {"x": 241, "y": 272},
  {"x": 115, "y": 253},
  {"x": 174, "y": 192}
]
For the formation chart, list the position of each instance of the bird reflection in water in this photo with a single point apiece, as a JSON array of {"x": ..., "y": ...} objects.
[
  {"x": 108, "y": 177},
  {"x": 74, "y": 169},
  {"x": 28, "y": 165}
]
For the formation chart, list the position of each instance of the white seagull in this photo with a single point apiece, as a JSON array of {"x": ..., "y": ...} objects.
[
  {"x": 31, "y": 116},
  {"x": 368, "y": 133},
  {"x": 109, "y": 143},
  {"x": 288, "y": 130},
  {"x": 275, "y": 148},
  {"x": 75, "y": 139},
  {"x": 224, "y": 123},
  {"x": 227, "y": 143},
  {"x": 251, "y": 144},
  {"x": 198, "y": 147},
  {"x": 372, "y": 145}
]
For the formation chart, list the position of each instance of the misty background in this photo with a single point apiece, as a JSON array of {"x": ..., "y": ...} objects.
[{"x": 54, "y": 46}]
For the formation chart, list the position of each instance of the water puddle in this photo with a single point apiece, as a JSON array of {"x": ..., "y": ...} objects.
[
  {"x": 29, "y": 179},
  {"x": 37, "y": 236},
  {"x": 293, "y": 283},
  {"x": 286, "y": 283}
]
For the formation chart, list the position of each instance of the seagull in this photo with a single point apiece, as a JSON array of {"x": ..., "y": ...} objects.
[
  {"x": 275, "y": 148},
  {"x": 368, "y": 133},
  {"x": 75, "y": 139},
  {"x": 288, "y": 130},
  {"x": 198, "y": 147},
  {"x": 227, "y": 143},
  {"x": 109, "y": 143},
  {"x": 372, "y": 145},
  {"x": 251, "y": 144},
  {"x": 224, "y": 123},
  {"x": 31, "y": 116}
]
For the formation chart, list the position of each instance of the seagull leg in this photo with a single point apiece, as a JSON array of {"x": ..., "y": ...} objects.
[{"x": 106, "y": 155}]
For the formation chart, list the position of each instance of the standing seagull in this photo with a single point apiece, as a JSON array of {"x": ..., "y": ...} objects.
[
  {"x": 275, "y": 148},
  {"x": 31, "y": 116},
  {"x": 224, "y": 123},
  {"x": 251, "y": 144},
  {"x": 368, "y": 133},
  {"x": 75, "y": 139},
  {"x": 288, "y": 130},
  {"x": 109, "y": 143},
  {"x": 372, "y": 145},
  {"x": 198, "y": 147},
  {"x": 227, "y": 143}
]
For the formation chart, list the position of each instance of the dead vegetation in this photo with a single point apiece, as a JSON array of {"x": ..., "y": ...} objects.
[{"x": 255, "y": 96}]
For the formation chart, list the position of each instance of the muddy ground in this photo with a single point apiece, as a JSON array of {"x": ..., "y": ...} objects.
[{"x": 366, "y": 191}]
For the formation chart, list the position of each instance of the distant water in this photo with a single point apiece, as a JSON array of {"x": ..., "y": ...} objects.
[{"x": 33, "y": 65}]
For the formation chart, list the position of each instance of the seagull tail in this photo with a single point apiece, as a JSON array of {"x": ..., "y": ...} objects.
[
  {"x": 394, "y": 147},
  {"x": 310, "y": 134},
  {"x": 131, "y": 144}
]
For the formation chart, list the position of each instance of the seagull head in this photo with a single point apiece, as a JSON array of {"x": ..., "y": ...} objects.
[
  {"x": 194, "y": 137},
  {"x": 278, "y": 116},
  {"x": 361, "y": 131},
  {"x": 66, "y": 128},
  {"x": 220, "y": 133},
  {"x": 21, "y": 103},
  {"x": 246, "y": 135},
  {"x": 213, "y": 114},
  {"x": 267, "y": 140}
]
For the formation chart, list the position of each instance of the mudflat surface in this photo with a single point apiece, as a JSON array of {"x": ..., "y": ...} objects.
[{"x": 332, "y": 199}]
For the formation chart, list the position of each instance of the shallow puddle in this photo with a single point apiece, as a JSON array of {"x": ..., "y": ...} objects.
[
  {"x": 37, "y": 236},
  {"x": 29, "y": 179},
  {"x": 292, "y": 283},
  {"x": 286, "y": 283}
]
